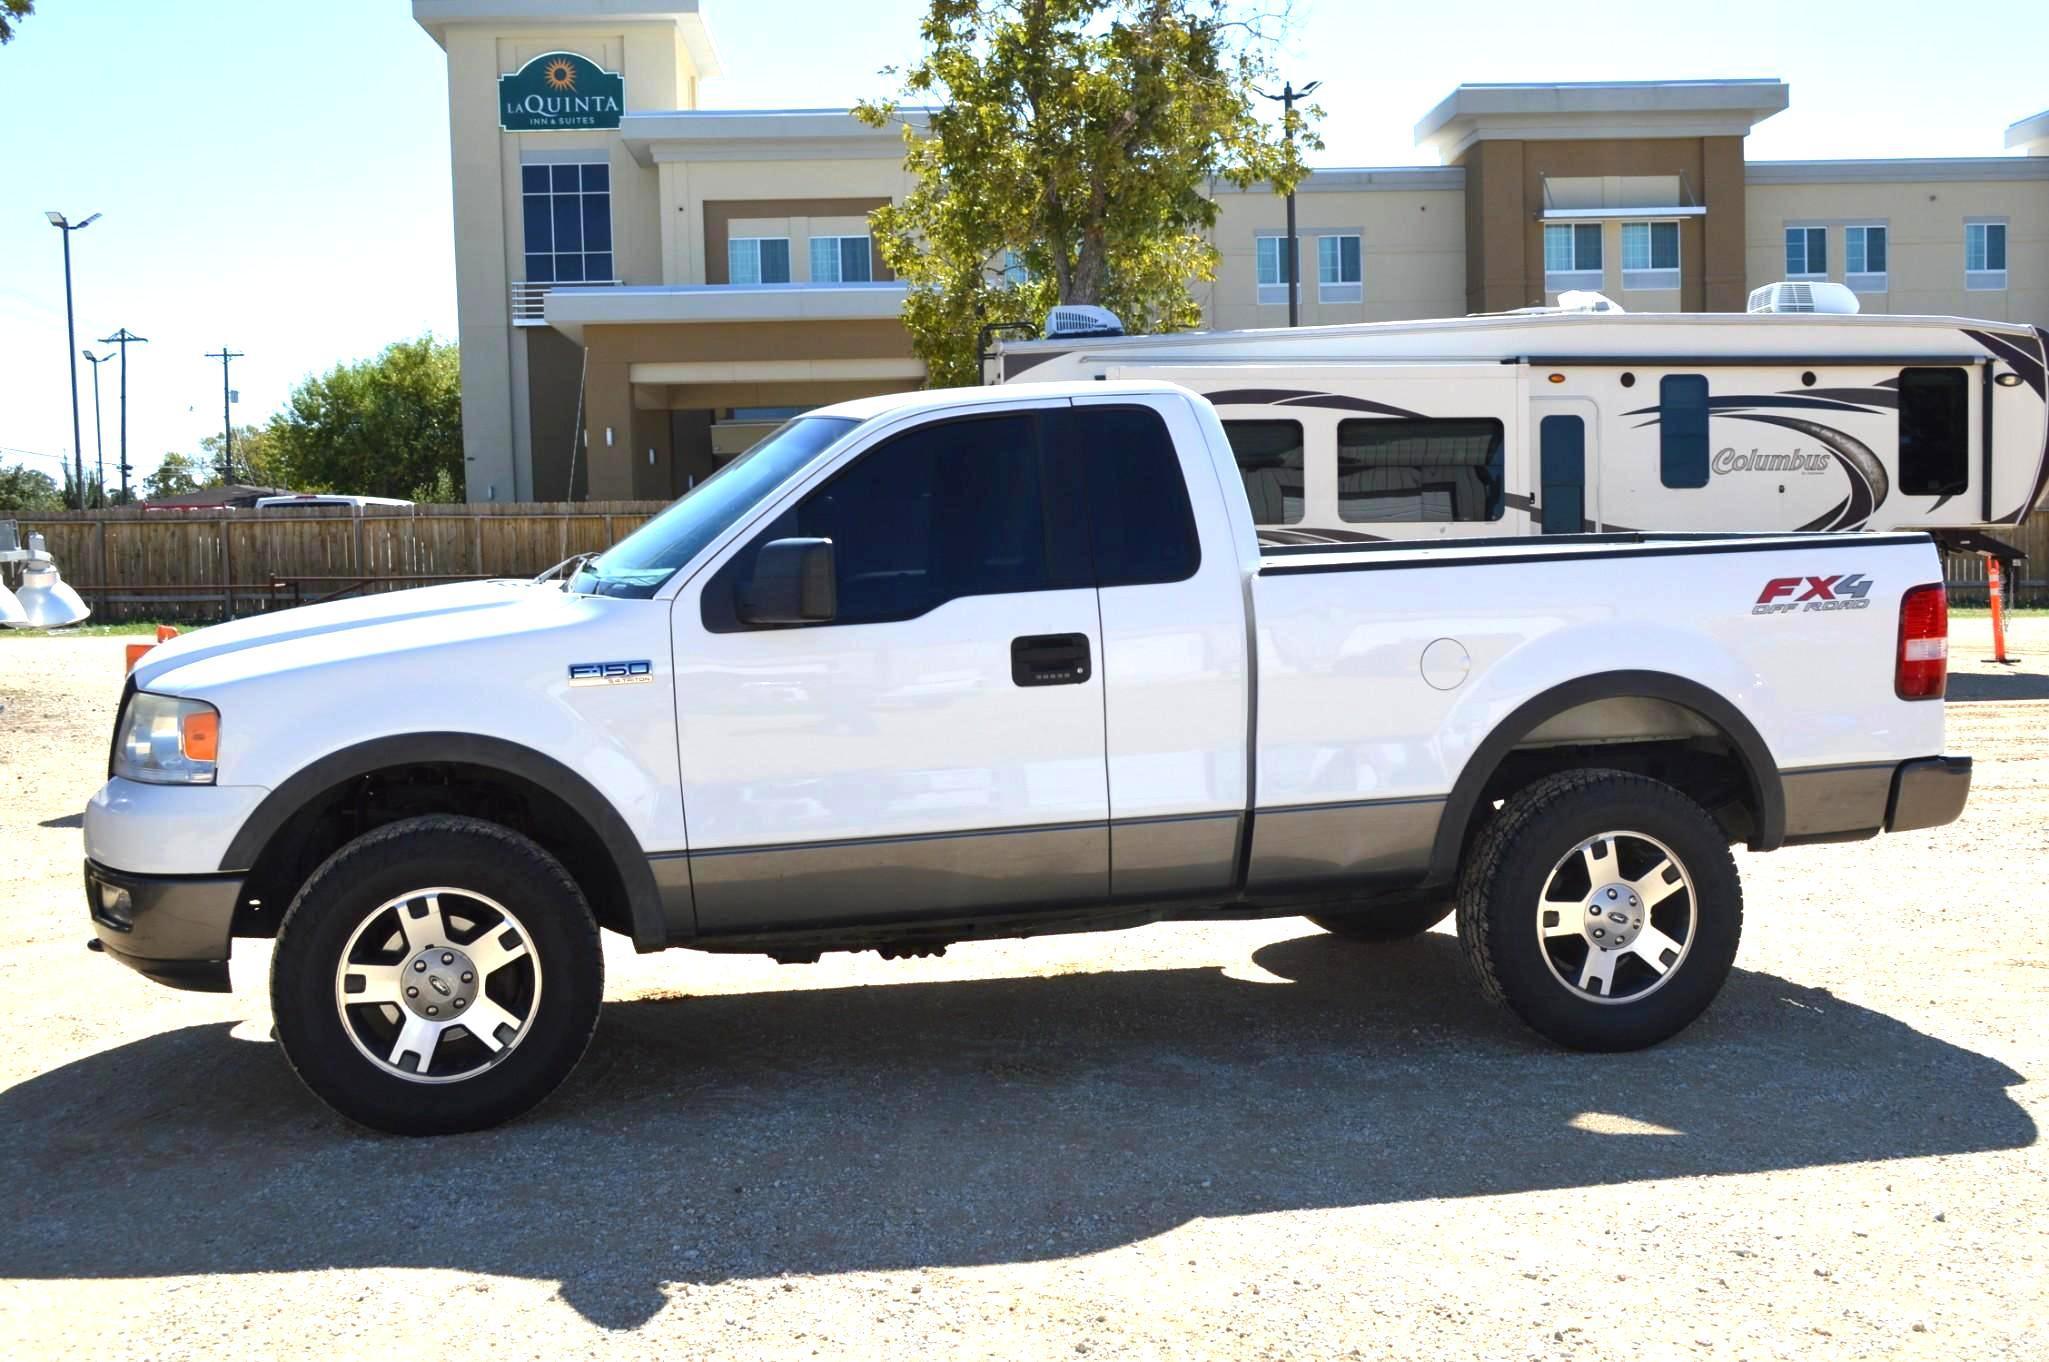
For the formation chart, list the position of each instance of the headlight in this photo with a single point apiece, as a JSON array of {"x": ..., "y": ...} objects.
[{"x": 168, "y": 741}]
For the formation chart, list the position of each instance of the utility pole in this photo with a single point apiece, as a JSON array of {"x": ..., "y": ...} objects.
[
  {"x": 224, "y": 354},
  {"x": 1286, "y": 98},
  {"x": 99, "y": 433},
  {"x": 124, "y": 338},
  {"x": 67, "y": 227}
]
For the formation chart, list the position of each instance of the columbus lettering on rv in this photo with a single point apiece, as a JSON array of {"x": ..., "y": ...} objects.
[{"x": 1758, "y": 461}]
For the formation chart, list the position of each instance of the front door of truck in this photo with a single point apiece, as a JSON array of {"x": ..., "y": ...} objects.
[
  {"x": 1564, "y": 436},
  {"x": 936, "y": 748}
]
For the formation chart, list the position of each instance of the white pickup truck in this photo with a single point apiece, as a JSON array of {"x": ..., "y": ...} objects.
[{"x": 999, "y": 662}]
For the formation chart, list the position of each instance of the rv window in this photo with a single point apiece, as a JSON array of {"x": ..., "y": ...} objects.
[
  {"x": 1683, "y": 430},
  {"x": 1935, "y": 433},
  {"x": 1404, "y": 471},
  {"x": 1269, "y": 455}
]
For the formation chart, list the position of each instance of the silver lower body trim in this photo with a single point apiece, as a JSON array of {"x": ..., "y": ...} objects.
[
  {"x": 1310, "y": 846},
  {"x": 828, "y": 884}
]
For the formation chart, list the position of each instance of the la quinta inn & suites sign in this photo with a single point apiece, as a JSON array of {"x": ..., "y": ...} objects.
[{"x": 560, "y": 91}]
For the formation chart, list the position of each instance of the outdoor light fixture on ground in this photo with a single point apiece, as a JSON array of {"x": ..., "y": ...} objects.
[{"x": 42, "y": 600}]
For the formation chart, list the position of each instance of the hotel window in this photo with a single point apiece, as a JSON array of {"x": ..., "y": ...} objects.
[
  {"x": 1984, "y": 255},
  {"x": 758, "y": 260},
  {"x": 1650, "y": 255},
  {"x": 1572, "y": 256},
  {"x": 568, "y": 218},
  {"x": 1807, "y": 252},
  {"x": 1015, "y": 272},
  {"x": 1864, "y": 257},
  {"x": 1274, "y": 271},
  {"x": 1337, "y": 268},
  {"x": 840, "y": 260}
]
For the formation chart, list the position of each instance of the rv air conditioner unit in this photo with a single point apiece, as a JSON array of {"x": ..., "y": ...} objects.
[
  {"x": 1586, "y": 300},
  {"x": 1788, "y": 296},
  {"x": 1072, "y": 320}
]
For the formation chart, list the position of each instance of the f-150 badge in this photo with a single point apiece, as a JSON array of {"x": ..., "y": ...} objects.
[{"x": 610, "y": 673}]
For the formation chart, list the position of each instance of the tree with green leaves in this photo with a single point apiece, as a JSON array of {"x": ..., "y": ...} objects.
[
  {"x": 13, "y": 12},
  {"x": 24, "y": 489},
  {"x": 388, "y": 427},
  {"x": 1068, "y": 158},
  {"x": 175, "y": 476}
]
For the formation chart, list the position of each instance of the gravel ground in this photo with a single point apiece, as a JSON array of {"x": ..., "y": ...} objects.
[{"x": 1244, "y": 1140}]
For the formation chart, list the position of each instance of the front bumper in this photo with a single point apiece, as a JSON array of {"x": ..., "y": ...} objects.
[{"x": 174, "y": 929}]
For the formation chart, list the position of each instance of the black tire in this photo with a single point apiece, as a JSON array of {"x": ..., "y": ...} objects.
[
  {"x": 1502, "y": 926},
  {"x": 1393, "y": 920},
  {"x": 467, "y": 854}
]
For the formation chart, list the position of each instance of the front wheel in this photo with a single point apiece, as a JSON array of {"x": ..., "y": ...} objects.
[
  {"x": 1602, "y": 908},
  {"x": 437, "y": 974}
]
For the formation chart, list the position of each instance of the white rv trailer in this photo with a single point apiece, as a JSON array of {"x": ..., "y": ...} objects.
[{"x": 1551, "y": 421}]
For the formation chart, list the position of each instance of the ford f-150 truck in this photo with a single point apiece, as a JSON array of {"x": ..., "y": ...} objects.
[{"x": 931, "y": 667}]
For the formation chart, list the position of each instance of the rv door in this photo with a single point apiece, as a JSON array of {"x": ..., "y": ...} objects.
[{"x": 1564, "y": 442}]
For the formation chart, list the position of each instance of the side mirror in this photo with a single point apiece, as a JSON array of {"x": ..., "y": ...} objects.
[{"x": 793, "y": 583}]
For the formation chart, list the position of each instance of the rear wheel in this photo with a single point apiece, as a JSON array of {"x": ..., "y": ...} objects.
[
  {"x": 1602, "y": 908},
  {"x": 437, "y": 974}
]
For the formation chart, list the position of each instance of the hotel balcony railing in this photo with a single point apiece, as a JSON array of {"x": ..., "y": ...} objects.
[{"x": 530, "y": 301}]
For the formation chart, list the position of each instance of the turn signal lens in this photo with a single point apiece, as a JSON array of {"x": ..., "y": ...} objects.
[
  {"x": 199, "y": 732},
  {"x": 1922, "y": 671}
]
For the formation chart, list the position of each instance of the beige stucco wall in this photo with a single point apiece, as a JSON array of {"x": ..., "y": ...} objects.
[
  {"x": 685, "y": 187},
  {"x": 489, "y": 247},
  {"x": 1412, "y": 255},
  {"x": 1924, "y": 223}
]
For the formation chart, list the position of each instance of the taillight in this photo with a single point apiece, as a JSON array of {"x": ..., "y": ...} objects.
[{"x": 1922, "y": 671}]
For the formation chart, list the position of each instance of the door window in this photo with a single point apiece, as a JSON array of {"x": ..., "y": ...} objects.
[
  {"x": 943, "y": 511},
  {"x": 1562, "y": 454}
]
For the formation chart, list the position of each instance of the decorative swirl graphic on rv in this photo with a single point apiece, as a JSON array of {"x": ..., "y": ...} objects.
[{"x": 1869, "y": 485}]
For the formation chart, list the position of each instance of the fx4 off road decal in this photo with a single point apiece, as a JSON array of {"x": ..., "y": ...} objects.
[{"x": 1841, "y": 591}]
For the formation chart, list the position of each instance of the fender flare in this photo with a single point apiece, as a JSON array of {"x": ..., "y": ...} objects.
[
  {"x": 643, "y": 901},
  {"x": 1759, "y": 767}
]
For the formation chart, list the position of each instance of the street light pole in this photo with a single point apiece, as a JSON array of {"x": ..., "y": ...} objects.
[
  {"x": 124, "y": 338},
  {"x": 67, "y": 227},
  {"x": 224, "y": 354},
  {"x": 1286, "y": 98},
  {"x": 99, "y": 434}
]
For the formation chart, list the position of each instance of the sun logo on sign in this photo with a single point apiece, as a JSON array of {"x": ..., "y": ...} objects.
[{"x": 560, "y": 74}]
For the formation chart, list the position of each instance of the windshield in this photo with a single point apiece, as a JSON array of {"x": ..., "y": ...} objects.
[{"x": 638, "y": 564}]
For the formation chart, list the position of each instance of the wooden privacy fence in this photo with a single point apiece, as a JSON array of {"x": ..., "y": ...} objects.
[{"x": 129, "y": 563}]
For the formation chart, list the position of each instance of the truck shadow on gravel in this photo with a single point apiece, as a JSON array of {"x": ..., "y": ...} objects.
[{"x": 958, "y": 1123}]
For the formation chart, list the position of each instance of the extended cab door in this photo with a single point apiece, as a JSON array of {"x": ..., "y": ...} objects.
[{"x": 937, "y": 748}]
